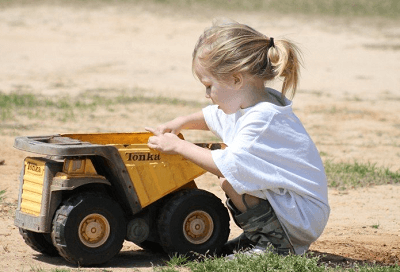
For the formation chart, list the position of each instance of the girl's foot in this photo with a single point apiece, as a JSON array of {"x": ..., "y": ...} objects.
[
  {"x": 251, "y": 251},
  {"x": 239, "y": 243}
]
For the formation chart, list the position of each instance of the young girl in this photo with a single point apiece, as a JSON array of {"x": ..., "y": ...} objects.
[{"x": 270, "y": 170}]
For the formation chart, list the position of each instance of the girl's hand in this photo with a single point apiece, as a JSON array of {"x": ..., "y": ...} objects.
[
  {"x": 173, "y": 126},
  {"x": 192, "y": 121},
  {"x": 170, "y": 143},
  {"x": 164, "y": 142}
]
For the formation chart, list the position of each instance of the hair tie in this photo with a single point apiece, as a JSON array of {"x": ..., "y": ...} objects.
[{"x": 271, "y": 42}]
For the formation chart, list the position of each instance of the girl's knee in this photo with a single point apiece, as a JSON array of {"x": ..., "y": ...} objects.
[{"x": 227, "y": 187}]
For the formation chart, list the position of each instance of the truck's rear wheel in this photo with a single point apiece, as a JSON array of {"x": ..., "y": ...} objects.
[
  {"x": 89, "y": 229},
  {"x": 41, "y": 242},
  {"x": 194, "y": 221}
]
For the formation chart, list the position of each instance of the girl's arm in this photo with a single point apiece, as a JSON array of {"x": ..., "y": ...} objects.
[
  {"x": 198, "y": 155},
  {"x": 192, "y": 121},
  {"x": 170, "y": 143}
]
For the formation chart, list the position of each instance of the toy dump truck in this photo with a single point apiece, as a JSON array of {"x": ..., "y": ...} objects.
[{"x": 88, "y": 193}]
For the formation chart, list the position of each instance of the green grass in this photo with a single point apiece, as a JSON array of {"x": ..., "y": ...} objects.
[
  {"x": 65, "y": 107},
  {"x": 376, "y": 226},
  {"x": 381, "y": 8},
  {"x": 344, "y": 175},
  {"x": 39, "y": 269},
  {"x": 88, "y": 99},
  {"x": 2, "y": 192},
  {"x": 359, "y": 8},
  {"x": 265, "y": 262}
]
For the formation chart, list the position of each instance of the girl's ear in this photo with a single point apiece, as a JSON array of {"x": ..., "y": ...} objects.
[{"x": 238, "y": 80}]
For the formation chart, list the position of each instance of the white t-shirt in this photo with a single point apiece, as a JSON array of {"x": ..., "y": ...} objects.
[{"x": 271, "y": 156}]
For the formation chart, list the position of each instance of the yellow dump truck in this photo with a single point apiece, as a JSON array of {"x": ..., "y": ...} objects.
[{"x": 87, "y": 193}]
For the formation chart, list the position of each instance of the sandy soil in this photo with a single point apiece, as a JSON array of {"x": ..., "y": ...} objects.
[{"x": 348, "y": 100}]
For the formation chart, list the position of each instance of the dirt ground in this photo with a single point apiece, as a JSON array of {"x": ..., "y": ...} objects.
[{"x": 348, "y": 100}]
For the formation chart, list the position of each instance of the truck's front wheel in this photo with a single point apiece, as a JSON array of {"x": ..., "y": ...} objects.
[
  {"x": 193, "y": 221},
  {"x": 89, "y": 229},
  {"x": 40, "y": 242}
]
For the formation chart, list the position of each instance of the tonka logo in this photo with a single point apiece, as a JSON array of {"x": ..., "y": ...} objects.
[
  {"x": 34, "y": 168},
  {"x": 142, "y": 157}
]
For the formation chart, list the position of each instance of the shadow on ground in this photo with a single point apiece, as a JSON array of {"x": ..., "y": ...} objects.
[
  {"x": 332, "y": 260},
  {"x": 125, "y": 259}
]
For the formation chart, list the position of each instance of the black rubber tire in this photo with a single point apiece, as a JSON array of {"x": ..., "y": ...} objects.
[
  {"x": 95, "y": 213},
  {"x": 151, "y": 246},
  {"x": 193, "y": 210},
  {"x": 40, "y": 242}
]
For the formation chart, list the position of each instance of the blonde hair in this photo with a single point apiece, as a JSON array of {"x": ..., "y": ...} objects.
[{"x": 227, "y": 48}]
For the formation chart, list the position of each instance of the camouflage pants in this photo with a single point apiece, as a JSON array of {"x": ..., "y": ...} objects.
[{"x": 261, "y": 226}]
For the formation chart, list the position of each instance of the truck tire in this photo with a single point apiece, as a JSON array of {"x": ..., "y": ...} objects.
[
  {"x": 41, "y": 242},
  {"x": 89, "y": 229},
  {"x": 193, "y": 221}
]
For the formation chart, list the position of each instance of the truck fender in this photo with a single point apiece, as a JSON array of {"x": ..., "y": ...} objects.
[{"x": 60, "y": 184}]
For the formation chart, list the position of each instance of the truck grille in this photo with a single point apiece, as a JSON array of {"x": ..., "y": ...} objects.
[{"x": 31, "y": 199}]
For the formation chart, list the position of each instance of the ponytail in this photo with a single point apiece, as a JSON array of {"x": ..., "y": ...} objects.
[{"x": 285, "y": 58}]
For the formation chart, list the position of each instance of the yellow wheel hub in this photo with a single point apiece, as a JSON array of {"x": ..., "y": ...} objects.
[
  {"x": 94, "y": 230},
  {"x": 198, "y": 227}
]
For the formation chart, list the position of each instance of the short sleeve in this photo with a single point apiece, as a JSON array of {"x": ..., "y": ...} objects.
[
  {"x": 212, "y": 120},
  {"x": 243, "y": 162}
]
